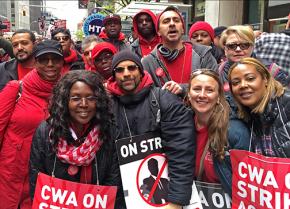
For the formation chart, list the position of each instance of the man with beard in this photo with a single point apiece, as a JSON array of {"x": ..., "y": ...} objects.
[
  {"x": 22, "y": 42},
  {"x": 112, "y": 32},
  {"x": 144, "y": 24},
  {"x": 171, "y": 63},
  {"x": 135, "y": 100}
]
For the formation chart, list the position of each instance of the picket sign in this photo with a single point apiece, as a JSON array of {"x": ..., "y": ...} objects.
[
  {"x": 144, "y": 173},
  {"x": 259, "y": 181},
  {"x": 56, "y": 193}
]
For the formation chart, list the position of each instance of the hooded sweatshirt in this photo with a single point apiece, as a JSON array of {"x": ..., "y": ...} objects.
[
  {"x": 145, "y": 46},
  {"x": 119, "y": 43}
]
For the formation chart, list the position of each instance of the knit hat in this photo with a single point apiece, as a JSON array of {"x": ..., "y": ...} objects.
[
  {"x": 103, "y": 46},
  {"x": 170, "y": 8},
  {"x": 201, "y": 25},
  {"x": 218, "y": 30},
  {"x": 125, "y": 55}
]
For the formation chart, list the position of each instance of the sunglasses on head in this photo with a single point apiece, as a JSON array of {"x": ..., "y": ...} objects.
[
  {"x": 59, "y": 38},
  {"x": 129, "y": 67},
  {"x": 242, "y": 46}
]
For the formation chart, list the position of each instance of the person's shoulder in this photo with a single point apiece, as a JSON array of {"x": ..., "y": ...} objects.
[{"x": 200, "y": 49}]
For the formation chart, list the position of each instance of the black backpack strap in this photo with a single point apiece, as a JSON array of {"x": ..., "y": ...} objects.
[
  {"x": 19, "y": 91},
  {"x": 155, "y": 103}
]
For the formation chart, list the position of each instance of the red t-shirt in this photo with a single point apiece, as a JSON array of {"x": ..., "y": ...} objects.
[
  {"x": 180, "y": 68},
  {"x": 209, "y": 174},
  {"x": 22, "y": 71}
]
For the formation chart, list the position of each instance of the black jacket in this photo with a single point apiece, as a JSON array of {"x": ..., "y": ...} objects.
[
  {"x": 8, "y": 72},
  {"x": 42, "y": 159},
  {"x": 176, "y": 128},
  {"x": 271, "y": 122}
]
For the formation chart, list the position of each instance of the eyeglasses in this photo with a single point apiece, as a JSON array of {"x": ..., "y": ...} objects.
[
  {"x": 43, "y": 60},
  {"x": 234, "y": 46},
  {"x": 59, "y": 38},
  {"x": 129, "y": 67},
  {"x": 79, "y": 100},
  {"x": 104, "y": 57}
]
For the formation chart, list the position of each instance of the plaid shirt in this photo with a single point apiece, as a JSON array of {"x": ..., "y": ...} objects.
[{"x": 274, "y": 47}]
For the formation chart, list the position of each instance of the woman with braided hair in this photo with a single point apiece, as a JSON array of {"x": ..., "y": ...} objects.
[{"x": 80, "y": 119}]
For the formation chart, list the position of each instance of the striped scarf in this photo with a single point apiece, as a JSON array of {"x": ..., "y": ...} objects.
[{"x": 82, "y": 155}]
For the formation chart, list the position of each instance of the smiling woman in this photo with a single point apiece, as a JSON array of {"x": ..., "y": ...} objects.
[
  {"x": 206, "y": 98},
  {"x": 264, "y": 104},
  {"x": 80, "y": 115},
  {"x": 19, "y": 123}
]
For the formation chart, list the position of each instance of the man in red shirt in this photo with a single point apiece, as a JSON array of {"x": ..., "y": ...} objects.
[
  {"x": 23, "y": 42},
  {"x": 171, "y": 62},
  {"x": 144, "y": 24}
]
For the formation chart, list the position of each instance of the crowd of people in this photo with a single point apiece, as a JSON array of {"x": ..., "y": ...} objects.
[{"x": 62, "y": 110}]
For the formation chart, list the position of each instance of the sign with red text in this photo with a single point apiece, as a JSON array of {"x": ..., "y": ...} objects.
[
  {"x": 259, "y": 181},
  {"x": 52, "y": 192}
]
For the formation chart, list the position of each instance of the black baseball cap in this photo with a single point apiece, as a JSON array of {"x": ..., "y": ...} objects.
[{"x": 48, "y": 46}]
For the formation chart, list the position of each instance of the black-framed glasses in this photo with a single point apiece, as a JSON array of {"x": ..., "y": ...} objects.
[
  {"x": 129, "y": 67},
  {"x": 43, "y": 60},
  {"x": 234, "y": 46},
  {"x": 79, "y": 100},
  {"x": 59, "y": 38}
]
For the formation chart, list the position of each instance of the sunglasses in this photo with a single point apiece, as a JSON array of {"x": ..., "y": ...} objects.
[
  {"x": 59, "y": 38},
  {"x": 43, "y": 60},
  {"x": 131, "y": 68},
  {"x": 243, "y": 46}
]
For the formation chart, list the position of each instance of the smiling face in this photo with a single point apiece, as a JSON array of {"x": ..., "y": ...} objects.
[
  {"x": 248, "y": 85},
  {"x": 203, "y": 95},
  {"x": 129, "y": 77},
  {"x": 235, "y": 55},
  {"x": 170, "y": 27},
  {"x": 22, "y": 46},
  {"x": 82, "y": 104},
  {"x": 49, "y": 66}
]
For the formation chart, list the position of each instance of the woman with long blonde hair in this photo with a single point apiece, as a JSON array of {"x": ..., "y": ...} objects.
[{"x": 217, "y": 133}]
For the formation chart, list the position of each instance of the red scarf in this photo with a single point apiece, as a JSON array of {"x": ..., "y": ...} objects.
[
  {"x": 72, "y": 57},
  {"x": 82, "y": 155},
  {"x": 37, "y": 86},
  {"x": 114, "y": 88}
]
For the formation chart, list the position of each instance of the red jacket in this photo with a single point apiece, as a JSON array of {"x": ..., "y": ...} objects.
[{"x": 27, "y": 114}]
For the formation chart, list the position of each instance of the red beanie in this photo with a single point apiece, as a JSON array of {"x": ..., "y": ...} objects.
[
  {"x": 103, "y": 46},
  {"x": 201, "y": 25}
]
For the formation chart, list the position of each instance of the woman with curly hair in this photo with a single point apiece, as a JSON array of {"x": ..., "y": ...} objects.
[
  {"x": 80, "y": 119},
  {"x": 206, "y": 98}
]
